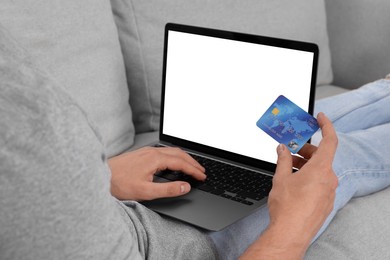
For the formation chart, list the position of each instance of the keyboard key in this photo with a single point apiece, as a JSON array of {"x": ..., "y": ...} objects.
[
  {"x": 205, "y": 187},
  {"x": 237, "y": 199},
  {"x": 246, "y": 202},
  {"x": 251, "y": 195},
  {"x": 217, "y": 191},
  {"x": 226, "y": 196}
]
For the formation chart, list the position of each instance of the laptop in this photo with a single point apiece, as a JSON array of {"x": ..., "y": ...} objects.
[{"x": 215, "y": 86}]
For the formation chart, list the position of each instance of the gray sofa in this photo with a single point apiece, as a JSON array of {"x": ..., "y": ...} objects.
[{"x": 108, "y": 56}]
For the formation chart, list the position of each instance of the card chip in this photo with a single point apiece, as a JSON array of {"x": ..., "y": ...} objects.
[{"x": 275, "y": 111}]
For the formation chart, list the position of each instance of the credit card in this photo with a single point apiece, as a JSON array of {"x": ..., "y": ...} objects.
[{"x": 288, "y": 124}]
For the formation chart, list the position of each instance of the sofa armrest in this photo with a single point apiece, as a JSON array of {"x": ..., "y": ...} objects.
[{"x": 359, "y": 40}]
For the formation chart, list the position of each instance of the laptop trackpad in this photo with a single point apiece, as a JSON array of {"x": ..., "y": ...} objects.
[{"x": 202, "y": 209}]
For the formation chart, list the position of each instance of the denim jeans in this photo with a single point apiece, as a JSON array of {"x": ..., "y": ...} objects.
[{"x": 362, "y": 163}]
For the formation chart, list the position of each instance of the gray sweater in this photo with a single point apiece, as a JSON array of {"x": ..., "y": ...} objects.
[{"x": 55, "y": 200}]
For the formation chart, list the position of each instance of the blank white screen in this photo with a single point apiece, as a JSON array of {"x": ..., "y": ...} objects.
[{"x": 216, "y": 90}]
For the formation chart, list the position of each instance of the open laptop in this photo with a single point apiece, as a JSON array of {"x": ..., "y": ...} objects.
[{"x": 216, "y": 85}]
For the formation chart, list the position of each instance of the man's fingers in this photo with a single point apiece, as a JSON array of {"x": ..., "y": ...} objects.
[
  {"x": 326, "y": 125},
  {"x": 284, "y": 163},
  {"x": 177, "y": 163},
  {"x": 328, "y": 145},
  {"x": 174, "y": 159},
  {"x": 298, "y": 162},
  {"x": 307, "y": 150},
  {"x": 183, "y": 155},
  {"x": 166, "y": 189}
]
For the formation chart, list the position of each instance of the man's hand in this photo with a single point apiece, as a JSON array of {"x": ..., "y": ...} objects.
[
  {"x": 132, "y": 173},
  {"x": 299, "y": 202}
]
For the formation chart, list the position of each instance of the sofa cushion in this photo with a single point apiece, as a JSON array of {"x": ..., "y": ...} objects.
[
  {"x": 141, "y": 29},
  {"x": 359, "y": 40},
  {"x": 77, "y": 43},
  {"x": 359, "y": 231},
  {"x": 325, "y": 91}
]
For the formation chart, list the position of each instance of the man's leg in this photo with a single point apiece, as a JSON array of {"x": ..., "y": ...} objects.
[
  {"x": 362, "y": 121},
  {"x": 358, "y": 109},
  {"x": 359, "y": 173},
  {"x": 362, "y": 165}
]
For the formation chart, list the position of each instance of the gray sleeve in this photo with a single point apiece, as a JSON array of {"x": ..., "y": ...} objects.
[{"x": 55, "y": 200}]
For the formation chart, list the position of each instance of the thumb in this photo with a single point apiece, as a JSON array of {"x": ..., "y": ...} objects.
[
  {"x": 169, "y": 189},
  {"x": 284, "y": 163}
]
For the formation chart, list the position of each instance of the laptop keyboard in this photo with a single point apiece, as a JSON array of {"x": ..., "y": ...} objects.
[{"x": 227, "y": 181}]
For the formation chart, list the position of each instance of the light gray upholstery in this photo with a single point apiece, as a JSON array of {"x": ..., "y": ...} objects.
[
  {"x": 329, "y": 90},
  {"x": 359, "y": 40},
  {"x": 77, "y": 43},
  {"x": 359, "y": 231}
]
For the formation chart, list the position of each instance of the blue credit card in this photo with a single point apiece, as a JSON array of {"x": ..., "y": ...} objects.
[{"x": 287, "y": 123}]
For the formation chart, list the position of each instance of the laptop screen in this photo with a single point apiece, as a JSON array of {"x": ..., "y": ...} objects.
[{"x": 216, "y": 87}]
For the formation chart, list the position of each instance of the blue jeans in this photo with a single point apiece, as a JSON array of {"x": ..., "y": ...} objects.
[{"x": 362, "y": 163}]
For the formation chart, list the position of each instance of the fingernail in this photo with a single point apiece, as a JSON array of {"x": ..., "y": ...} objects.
[
  {"x": 280, "y": 148},
  {"x": 183, "y": 188}
]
